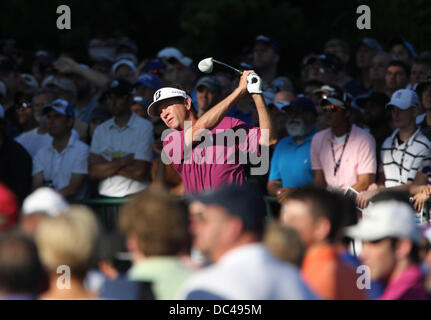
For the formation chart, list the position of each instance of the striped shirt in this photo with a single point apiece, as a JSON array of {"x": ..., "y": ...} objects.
[{"x": 401, "y": 161}]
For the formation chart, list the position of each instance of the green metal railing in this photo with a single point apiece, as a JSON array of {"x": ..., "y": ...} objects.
[{"x": 107, "y": 209}]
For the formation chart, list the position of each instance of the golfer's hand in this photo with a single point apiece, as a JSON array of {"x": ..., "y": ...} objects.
[
  {"x": 254, "y": 83},
  {"x": 243, "y": 83}
]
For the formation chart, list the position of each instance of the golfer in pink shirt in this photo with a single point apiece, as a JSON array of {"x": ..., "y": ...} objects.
[{"x": 213, "y": 162}]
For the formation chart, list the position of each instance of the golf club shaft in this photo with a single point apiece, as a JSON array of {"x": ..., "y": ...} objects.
[{"x": 226, "y": 65}]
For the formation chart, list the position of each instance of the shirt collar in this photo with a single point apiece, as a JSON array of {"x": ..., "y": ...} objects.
[
  {"x": 130, "y": 124},
  {"x": 409, "y": 142},
  {"x": 70, "y": 143}
]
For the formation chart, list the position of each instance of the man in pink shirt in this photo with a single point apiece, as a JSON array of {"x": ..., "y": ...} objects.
[
  {"x": 343, "y": 155},
  {"x": 212, "y": 150},
  {"x": 391, "y": 249}
]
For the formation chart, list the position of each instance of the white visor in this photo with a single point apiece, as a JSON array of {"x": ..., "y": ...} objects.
[{"x": 163, "y": 94}]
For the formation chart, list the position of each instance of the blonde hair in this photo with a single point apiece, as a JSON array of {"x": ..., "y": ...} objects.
[{"x": 68, "y": 239}]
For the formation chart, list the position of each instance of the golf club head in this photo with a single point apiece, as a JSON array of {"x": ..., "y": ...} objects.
[{"x": 206, "y": 65}]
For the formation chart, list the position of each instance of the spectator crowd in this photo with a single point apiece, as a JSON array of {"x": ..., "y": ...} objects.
[{"x": 346, "y": 185}]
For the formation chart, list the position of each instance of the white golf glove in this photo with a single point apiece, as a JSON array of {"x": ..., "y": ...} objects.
[{"x": 254, "y": 83}]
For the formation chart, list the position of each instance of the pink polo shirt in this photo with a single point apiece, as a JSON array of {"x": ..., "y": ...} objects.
[
  {"x": 215, "y": 161},
  {"x": 359, "y": 157}
]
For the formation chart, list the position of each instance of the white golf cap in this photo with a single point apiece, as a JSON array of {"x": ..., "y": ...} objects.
[
  {"x": 123, "y": 62},
  {"x": 171, "y": 52},
  {"x": 404, "y": 99},
  {"x": 44, "y": 200},
  {"x": 163, "y": 94},
  {"x": 386, "y": 219}
]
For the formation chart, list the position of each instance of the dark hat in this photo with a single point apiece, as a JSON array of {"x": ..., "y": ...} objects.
[
  {"x": 120, "y": 88},
  {"x": 331, "y": 61},
  {"x": 211, "y": 82},
  {"x": 245, "y": 202},
  {"x": 400, "y": 40},
  {"x": 268, "y": 42},
  {"x": 337, "y": 97},
  {"x": 421, "y": 86},
  {"x": 303, "y": 104},
  {"x": 380, "y": 98}
]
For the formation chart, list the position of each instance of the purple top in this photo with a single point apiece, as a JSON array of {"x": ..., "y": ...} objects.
[
  {"x": 408, "y": 286},
  {"x": 216, "y": 160}
]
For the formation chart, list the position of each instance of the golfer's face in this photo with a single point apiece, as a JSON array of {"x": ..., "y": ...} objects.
[{"x": 173, "y": 112}]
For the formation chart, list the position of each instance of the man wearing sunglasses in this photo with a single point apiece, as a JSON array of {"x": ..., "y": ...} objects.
[{"x": 343, "y": 155}]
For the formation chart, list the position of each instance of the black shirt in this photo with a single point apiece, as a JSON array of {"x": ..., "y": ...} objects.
[{"x": 15, "y": 168}]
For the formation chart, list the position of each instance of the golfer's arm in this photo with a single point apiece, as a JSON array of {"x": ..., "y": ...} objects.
[
  {"x": 319, "y": 179},
  {"x": 268, "y": 135},
  {"x": 213, "y": 116}
]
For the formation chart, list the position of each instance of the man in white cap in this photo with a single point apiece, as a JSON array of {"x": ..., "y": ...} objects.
[
  {"x": 43, "y": 202},
  {"x": 216, "y": 165},
  {"x": 402, "y": 152},
  {"x": 390, "y": 249}
]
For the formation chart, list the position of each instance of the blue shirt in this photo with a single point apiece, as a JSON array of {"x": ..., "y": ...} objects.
[{"x": 291, "y": 162}]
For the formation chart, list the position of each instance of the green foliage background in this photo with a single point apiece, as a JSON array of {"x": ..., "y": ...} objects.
[{"x": 220, "y": 28}]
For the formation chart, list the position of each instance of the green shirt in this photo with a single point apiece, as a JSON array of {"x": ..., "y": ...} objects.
[{"x": 167, "y": 274}]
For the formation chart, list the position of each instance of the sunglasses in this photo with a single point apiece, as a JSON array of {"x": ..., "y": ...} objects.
[{"x": 331, "y": 108}]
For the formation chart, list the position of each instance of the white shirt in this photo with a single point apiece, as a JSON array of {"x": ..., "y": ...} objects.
[
  {"x": 401, "y": 161},
  {"x": 109, "y": 140},
  {"x": 58, "y": 167},
  {"x": 248, "y": 272},
  {"x": 33, "y": 141}
]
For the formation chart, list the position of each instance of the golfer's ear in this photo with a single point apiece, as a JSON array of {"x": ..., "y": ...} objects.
[{"x": 188, "y": 103}]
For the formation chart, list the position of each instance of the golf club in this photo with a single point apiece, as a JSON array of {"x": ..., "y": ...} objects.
[{"x": 206, "y": 65}]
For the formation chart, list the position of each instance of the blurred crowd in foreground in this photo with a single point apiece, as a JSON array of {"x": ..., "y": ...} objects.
[{"x": 350, "y": 164}]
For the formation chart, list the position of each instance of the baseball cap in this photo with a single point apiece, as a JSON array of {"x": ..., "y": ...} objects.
[
  {"x": 421, "y": 86},
  {"x": 8, "y": 208},
  {"x": 163, "y": 94},
  {"x": 3, "y": 90},
  {"x": 141, "y": 101},
  {"x": 128, "y": 44},
  {"x": 245, "y": 202},
  {"x": 29, "y": 80},
  {"x": 280, "y": 105},
  {"x": 400, "y": 40},
  {"x": 379, "y": 98},
  {"x": 62, "y": 83},
  {"x": 44, "y": 200},
  {"x": 386, "y": 219},
  {"x": 150, "y": 80},
  {"x": 331, "y": 61},
  {"x": 61, "y": 106},
  {"x": 304, "y": 104},
  {"x": 269, "y": 42},
  {"x": 211, "y": 82},
  {"x": 120, "y": 88},
  {"x": 337, "y": 97},
  {"x": 123, "y": 62},
  {"x": 172, "y": 52},
  {"x": 372, "y": 43},
  {"x": 404, "y": 99}
]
